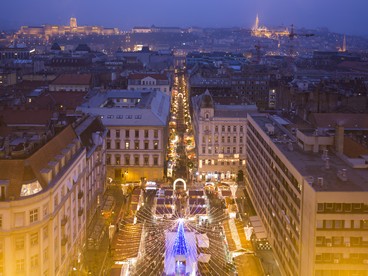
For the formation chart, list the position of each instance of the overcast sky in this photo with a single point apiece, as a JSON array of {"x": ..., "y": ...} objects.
[{"x": 341, "y": 16}]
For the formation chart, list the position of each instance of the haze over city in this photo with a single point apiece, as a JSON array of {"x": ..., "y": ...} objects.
[{"x": 337, "y": 16}]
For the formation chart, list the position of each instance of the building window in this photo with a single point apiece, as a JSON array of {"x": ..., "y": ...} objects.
[
  {"x": 155, "y": 160},
  {"x": 56, "y": 201},
  {"x": 117, "y": 133},
  {"x": 108, "y": 144},
  {"x": 216, "y": 128},
  {"x": 241, "y": 128},
  {"x": 240, "y": 149},
  {"x": 145, "y": 159},
  {"x": 222, "y": 139},
  {"x": 34, "y": 261},
  {"x": 34, "y": 239},
  {"x": 46, "y": 254},
  {"x": 117, "y": 144},
  {"x": 209, "y": 150},
  {"x": 127, "y": 133},
  {"x": 136, "y": 133},
  {"x": 223, "y": 128},
  {"x": 45, "y": 232},
  {"x": 234, "y": 128},
  {"x": 146, "y": 145},
  {"x": 127, "y": 145},
  {"x": 203, "y": 139},
  {"x": 108, "y": 159},
  {"x": 127, "y": 160},
  {"x": 155, "y": 145},
  {"x": 117, "y": 159},
  {"x": 136, "y": 160},
  {"x": 19, "y": 266},
  {"x": 234, "y": 149},
  {"x": 155, "y": 133},
  {"x": 19, "y": 243},
  {"x": 240, "y": 139},
  {"x": 146, "y": 133},
  {"x": 203, "y": 150},
  {"x": 136, "y": 145},
  {"x": 234, "y": 139},
  {"x": 228, "y": 128},
  {"x": 228, "y": 139},
  {"x": 33, "y": 215},
  {"x": 228, "y": 150}
]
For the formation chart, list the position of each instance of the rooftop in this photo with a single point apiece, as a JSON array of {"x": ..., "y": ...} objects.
[
  {"x": 311, "y": 165},
  {"x": 73, "y": 79}
]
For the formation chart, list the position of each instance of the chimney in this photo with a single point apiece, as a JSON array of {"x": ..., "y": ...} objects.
[{"x": 339, "y": 139}]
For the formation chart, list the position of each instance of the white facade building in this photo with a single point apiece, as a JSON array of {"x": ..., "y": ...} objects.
[
  {"x": 154, "y": 82},
  {"x": 137, "y": 132},
  {"x": 220, "y": 133}
]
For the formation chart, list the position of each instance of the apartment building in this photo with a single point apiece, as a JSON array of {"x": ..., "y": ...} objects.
[
  {"x": 220, "y": 133},
  {"x": 146, "y": 81},
  {"x": 310, "y": 190},
  {"x": 45, "y": 195},
  {"x": 137, "y": 132}
]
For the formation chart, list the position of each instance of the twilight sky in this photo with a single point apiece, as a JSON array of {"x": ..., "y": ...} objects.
[{"x": 341, "y": 16}]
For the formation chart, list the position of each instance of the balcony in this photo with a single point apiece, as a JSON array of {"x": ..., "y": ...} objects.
[
  {"x": 64, "y": 240},
  {"x": 80, "y": 212},
  {"x": 80, "y": 194},
  {"x": 64, "y": 220}
]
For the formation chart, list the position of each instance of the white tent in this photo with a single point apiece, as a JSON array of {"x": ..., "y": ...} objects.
[
  {"x": 204, "y": 258},
  {"x": 203, "y": 240}
]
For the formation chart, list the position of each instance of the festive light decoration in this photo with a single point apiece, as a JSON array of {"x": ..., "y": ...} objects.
[{"x": 180, "y": 245}]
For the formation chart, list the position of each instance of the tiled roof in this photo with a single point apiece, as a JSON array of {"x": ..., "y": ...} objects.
[
  {"x": 73, "y": 79},
  {"x": 25, "y": 117}
]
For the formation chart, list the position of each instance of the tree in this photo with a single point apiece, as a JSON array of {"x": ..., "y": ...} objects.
[{"x": 240, "y": 176}]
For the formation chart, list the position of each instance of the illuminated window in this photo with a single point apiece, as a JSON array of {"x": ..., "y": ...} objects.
[
  {"x": 155, "y": 145},
  {"x": 31, "y": 188},
  {"x": 33, "y": 215},
  {"x": 117, "y": 159},
  {"x": 127, "y": 145}
]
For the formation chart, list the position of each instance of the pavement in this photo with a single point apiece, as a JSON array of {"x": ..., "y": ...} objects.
[{"x": 96, "y": 258}]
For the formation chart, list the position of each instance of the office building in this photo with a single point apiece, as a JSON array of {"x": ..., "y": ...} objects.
[{"x": 310, "y": 189}]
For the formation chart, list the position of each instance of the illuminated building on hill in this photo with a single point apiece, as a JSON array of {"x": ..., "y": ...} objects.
[
  {"x": 72, "y": 29},
  {"x": 262, "y": 31}
]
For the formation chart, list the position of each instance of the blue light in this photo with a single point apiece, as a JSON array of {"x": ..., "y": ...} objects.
[{"x": 180, "y": 245}]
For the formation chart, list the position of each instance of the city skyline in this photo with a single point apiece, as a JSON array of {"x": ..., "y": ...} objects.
[{"x": 336, "y": 17}]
